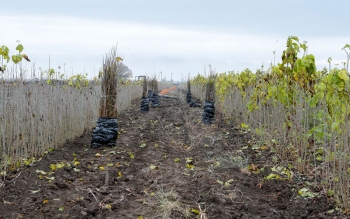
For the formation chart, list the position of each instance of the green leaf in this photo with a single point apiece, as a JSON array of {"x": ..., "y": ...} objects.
[
  {"x": 343, "y": 75},
  {"x": 19, "y": 48},
  {"x": 335, "y": 125},
  {"x": 347, "y": 46},
  {"x": 4, "y": 52},
  {"x": 61, "y": 208},
  {"x": 16, "y": 58},
  {"x": 271, "y": 176}
]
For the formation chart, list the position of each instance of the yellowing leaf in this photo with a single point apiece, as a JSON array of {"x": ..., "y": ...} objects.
[
  {"x": 41, "y": 172},
  {"x": 140, "y": 217},
  {"x": 28, "y": 162},
  {"x": 110, "y": 165},
  {"x": 7, "y": 202},
  {"x": 189, "y": 166},
  {"x": 50, "y": 178},
  {"x": 244, "y": 126},
  {"x": 271, "y": 176},
  {"x": 101, "y": 167},
  {"x": 195, "y": 211},
  {"x": 227, "y": 183},
  {"x": 189, "y": 160},
  {"x": 264, "y": 147},
  {"x": 152, "y": 167},
  {"x": 76, "y": 163},
  {"x": 108, "y": 206},
  {"x": 176, "y": 160},
  {"x": 131, "y": 155},
  {"x": 97, "y": 155},
  {"x": 60, "y": 165},
  {"x": 45, "y": 201},
  {"x": 120, "y": 174},
  {"x": 34, "y": 191}
]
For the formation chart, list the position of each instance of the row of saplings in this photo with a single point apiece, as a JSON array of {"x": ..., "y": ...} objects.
[{"x": 106, "y": 130}]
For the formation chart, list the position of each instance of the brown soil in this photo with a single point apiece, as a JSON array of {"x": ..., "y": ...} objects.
[{"x": 166, "y": 164}]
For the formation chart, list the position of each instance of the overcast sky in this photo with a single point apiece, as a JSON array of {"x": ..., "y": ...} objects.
[{"x": 178, "y": 37}]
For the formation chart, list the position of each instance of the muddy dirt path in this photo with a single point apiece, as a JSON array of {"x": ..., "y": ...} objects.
[{"x": 166, "y": 164}]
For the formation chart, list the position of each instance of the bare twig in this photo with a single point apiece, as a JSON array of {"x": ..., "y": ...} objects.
[
  {"x": 16, "y": 177},
  {"x": 202, "y": 213},
  {"x": 90, "y": 191},
  {"x": 131, "y": 193}
]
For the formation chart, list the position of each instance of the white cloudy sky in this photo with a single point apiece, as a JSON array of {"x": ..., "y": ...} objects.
[{"x": 171, "y": 36}]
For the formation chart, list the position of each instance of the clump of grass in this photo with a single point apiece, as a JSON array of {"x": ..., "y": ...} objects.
[
  {"x": 231, "y": 160},
  {"x": 168, "y": 203}
]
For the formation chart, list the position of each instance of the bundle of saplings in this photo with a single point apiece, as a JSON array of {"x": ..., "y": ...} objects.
[
  {"x": 106, "y": 130},
  {"x": 144, "y": 101},
  {"x": 209, "y": 108},
  {"x": 155, "y": 98}
]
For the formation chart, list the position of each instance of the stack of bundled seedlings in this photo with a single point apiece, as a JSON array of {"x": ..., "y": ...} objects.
[
  {"x": 209, "y": 108},
  {"x": 144, "y": 100},
  {"x": 150, "y": 90},
  {"x": 150, "y": 95},
  {"x": 106, "y": 131},
  {"x": 155, "y": 102},
  {"x": 189, "y": 95}
]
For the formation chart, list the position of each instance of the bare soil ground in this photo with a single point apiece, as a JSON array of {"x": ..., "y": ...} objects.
[{"x": 166, "y": 164}]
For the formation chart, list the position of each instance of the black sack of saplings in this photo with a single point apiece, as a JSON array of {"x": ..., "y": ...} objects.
[
  {"x": 144, "y": 104},
  {"x": 189, "y": 96},
  {"x": 155, "y": 102},
  {"x": 209, "y": 111},
  {"x": 193, "y": 104},
  {"x": 105, "y": 132},
  {"x": 150, "y": 95}
]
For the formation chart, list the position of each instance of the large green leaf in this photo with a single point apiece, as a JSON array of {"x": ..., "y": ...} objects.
[{"x": 19, "y": 48}]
